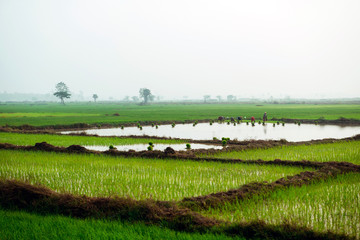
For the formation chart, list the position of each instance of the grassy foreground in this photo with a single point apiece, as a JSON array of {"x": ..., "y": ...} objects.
[
  {"x": 65, "y": 140},
  {"x": 340, "y": 152},
  {"x": 57, "y": 114},
  {"x": 21, "y": 225},
  {"x": 138, "y": 178},
  {"x": 331, "y": 205}
]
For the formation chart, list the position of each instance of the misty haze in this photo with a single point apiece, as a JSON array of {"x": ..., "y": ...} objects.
[{"x": 179, "y": 119}]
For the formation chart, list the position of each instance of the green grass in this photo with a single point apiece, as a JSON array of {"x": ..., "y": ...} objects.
[
  {"x": 21, "y": 225},
  {"x": 340, "y": 152},
  {"x": 57, "y": 114},
  {"x": 332, "y": 205},
  {"x": 95, "y": 175},
  {"x": 65, "y": 140}
]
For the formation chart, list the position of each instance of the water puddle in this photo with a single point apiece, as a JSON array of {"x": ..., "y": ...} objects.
[
  {"x": 205, "y": 131},
  {"x": 161, "y": 147}
]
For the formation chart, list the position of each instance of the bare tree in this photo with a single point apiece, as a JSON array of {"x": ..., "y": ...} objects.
[{"x": 62, "y": 91}]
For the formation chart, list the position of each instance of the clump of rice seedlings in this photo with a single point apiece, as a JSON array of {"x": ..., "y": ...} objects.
[
  {"x": 299, "y": 123},
  {"x": 283, "y": 124},
  {"x": 228, "y": 123},
  {"x": 224, "y": 141},
  {"x": 234, "y": 124},
  {"x": 188, "y": 146},
  {"x": 253, "y": 124},
  {"x": 140, "y": 127},
  {"x": 316, "y": 122},
  {"x": 273, "y": 124},
  {"x": 215, "y": 138},
  {"x": 150, "y": 148},
  {"x": 259, "y": 122},
  {"x": 173, "y": 124},
  {"x": 263, "y": 123},
  {"x": 152, "y": 124},
  {"x": 247, "y": 123},
  {"x": 111, "y": 147},
  {"x": 211, "y": 123},
  {"x": 156, "y": 126},
  {"x": 122, "y": 126},
  {"x": 278, "y": 123},
  {"x": 151, "y": 144}
]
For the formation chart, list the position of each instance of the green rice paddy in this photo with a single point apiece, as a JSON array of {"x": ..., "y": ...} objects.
[
  {"x": 345, "y": 151},
  {"x": 65, "y": 140},
  {"x": 331, "y": 205},
  {"x": 48, "y": 114},
  {"x": 137, "y": 178}
]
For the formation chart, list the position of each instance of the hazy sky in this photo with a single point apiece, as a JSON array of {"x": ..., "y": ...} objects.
[{"x": 260, "y": 48}]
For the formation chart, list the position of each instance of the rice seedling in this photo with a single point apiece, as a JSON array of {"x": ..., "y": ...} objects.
[
  {"x": 22, "y": 225},
  {"x": 345, "y": 151},
  {"x": 331, "y": 205},
  {"x": 66, "y": 140},
  {"x": 188, "y": 146},
  {"x": 138, "y": 178}
]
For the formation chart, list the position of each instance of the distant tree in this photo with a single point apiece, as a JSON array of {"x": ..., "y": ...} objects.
[
  {"x": 206, "y": 97},
  {"x": 231, "y": 98},
  {"x": 135, "y": 98},
  {"x": 95, "y": 96},
  {"x": 62, "y": 91},
  {"x": 219, "y": 98},
  {"x": 126, "y": 99},
  {"x": 145, "y": 93}
]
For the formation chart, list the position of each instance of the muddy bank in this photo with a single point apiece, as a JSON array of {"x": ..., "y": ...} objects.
[
  {"x": 22, "y": 196},
  {"x": 340, "y": 121},
  {"x": 247, "y": 191},
  {"x": 84, "y": 126},
  {"x": 170, "y": 153},
  {"x": 16, "y": 195}
]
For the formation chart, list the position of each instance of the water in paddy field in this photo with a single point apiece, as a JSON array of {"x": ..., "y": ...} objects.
[
  {"x": 161, "y": 147},
  {"x": 204, "y": 131}
]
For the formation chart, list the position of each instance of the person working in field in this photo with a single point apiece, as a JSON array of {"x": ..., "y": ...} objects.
[
  {"x": 265, "y": 117},
  {"x": 252, "y": 119}
]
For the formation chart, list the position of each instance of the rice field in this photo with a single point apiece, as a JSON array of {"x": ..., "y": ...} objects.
[
  {"x": 138, "y": 178},
  {"x": 331, "y": 205},
  {"x": 21, "y": 225},
  {"x": 65, "y": 140},
  {"x": 346, "y": 151}
]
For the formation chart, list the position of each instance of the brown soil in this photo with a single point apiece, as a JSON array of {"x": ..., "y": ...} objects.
[{"x": 23, "y": 196}]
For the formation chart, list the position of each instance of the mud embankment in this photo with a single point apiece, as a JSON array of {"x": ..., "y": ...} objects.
[
  {"x": 328, "y": 170},
  {"x": 84, "y": 126},
  {"x": 15, "y": 195}
]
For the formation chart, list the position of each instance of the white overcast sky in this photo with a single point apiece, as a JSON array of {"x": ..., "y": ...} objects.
[{"x": 259, "y": 48}]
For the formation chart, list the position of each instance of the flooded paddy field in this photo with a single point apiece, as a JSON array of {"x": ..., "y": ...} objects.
[{"x": 242, "y": 131}]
